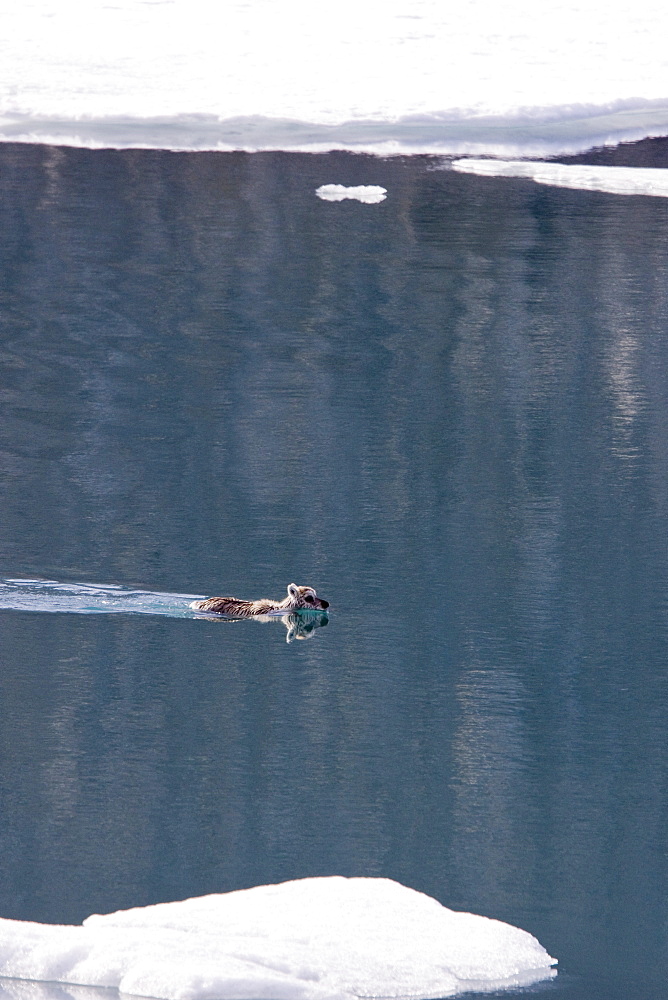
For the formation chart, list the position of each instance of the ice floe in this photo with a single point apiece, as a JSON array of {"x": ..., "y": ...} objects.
[
  {"x": 371, "y": 194},
  {"x": 613, "y": 180},
  {"x": 328, "y": 938}
]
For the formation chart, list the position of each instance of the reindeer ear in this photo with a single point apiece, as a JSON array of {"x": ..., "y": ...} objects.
[{"x": 293, "y": 590}]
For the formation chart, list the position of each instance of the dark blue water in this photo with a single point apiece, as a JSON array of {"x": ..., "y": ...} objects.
[{"x": 449, "y": 414}]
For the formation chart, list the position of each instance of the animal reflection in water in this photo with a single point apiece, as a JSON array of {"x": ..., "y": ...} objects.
[{"x": 305, "y": 611}]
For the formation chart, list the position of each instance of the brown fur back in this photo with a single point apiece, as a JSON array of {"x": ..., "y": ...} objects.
[
  {"x": 233, "y": 606},
  {"x": 298, "y": 599}
]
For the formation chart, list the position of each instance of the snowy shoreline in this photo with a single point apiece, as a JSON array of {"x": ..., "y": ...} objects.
[
  {"x": 407, "y": 77},
  {"x": 536, "y": 133}
]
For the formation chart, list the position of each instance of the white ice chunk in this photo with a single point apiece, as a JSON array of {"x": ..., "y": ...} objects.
[
  {"x": 312, "y": 939},
  {"x": 613, "y": 180},
  {"x": 371, "y": 194}
]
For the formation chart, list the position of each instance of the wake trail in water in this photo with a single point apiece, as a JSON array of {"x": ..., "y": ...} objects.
[{"x": 90, "y": 599}]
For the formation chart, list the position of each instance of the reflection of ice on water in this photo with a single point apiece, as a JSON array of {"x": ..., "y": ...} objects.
[{"x": 25, "y": 989}]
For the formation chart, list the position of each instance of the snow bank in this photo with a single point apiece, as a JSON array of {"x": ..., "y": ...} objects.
[
  {"x": 404, "y": 76},
  {"x": 312, "y": 939},
  {"x": 613, "y": 180}
]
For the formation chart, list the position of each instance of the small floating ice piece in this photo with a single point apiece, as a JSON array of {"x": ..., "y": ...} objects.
[
  {"x": 313, "y": 939},
  {"x": 651, "y": 181},
  {"x": 371, "y": 194}
]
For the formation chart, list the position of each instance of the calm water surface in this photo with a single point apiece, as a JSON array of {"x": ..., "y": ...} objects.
[{"x": 449, "y": 414}]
